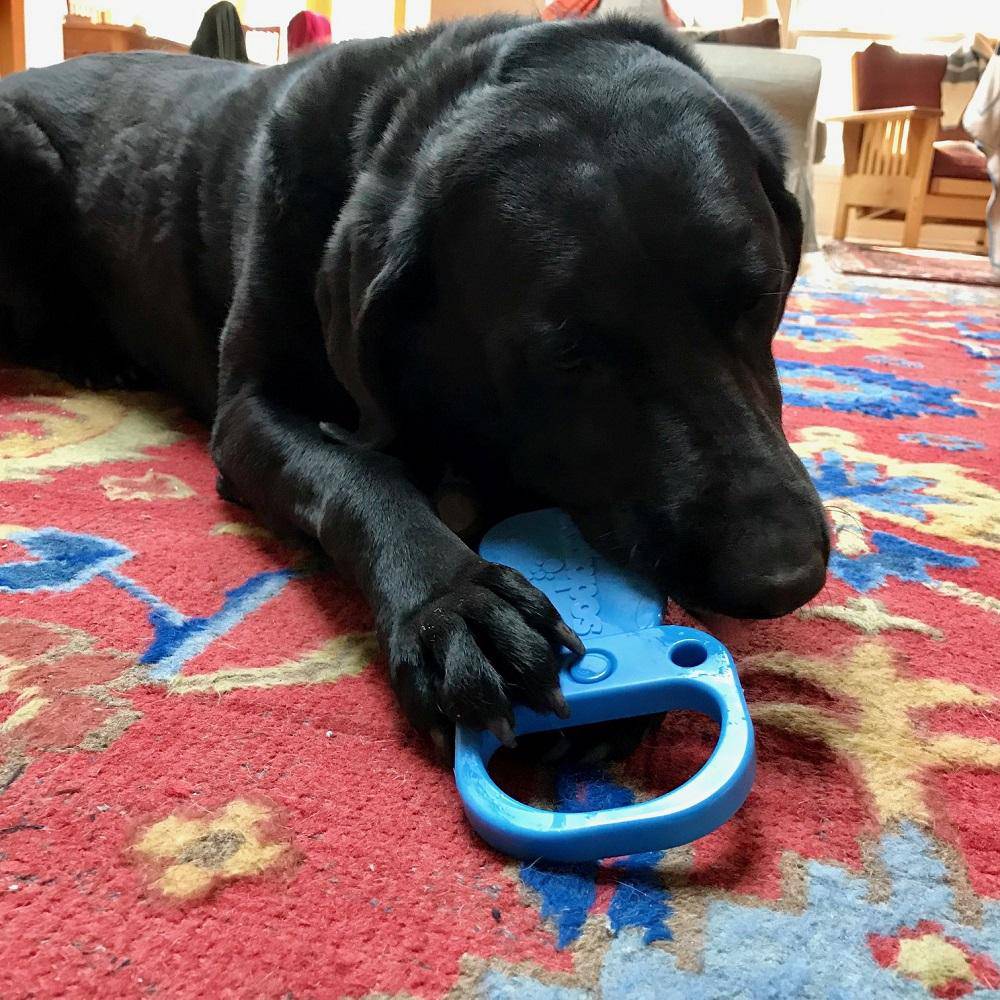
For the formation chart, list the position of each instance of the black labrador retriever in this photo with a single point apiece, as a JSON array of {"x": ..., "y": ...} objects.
[{"x": 549, "y": 257}]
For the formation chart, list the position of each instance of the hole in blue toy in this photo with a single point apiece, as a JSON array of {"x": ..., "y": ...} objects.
[
  {"x": 667, "y": 755},
  {"x": 689, "y": 653}
]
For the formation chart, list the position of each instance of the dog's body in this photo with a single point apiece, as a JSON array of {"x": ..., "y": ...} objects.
[
  {"x": 551, "y": 256},
  {"x": 159, "y": 165}
]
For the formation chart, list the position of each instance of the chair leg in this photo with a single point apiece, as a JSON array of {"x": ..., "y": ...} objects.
[
  {"x": 914, "y": 217},
  {"x": 840, "y": 219},
  {"x": 922, "y": 135},
  {"x": 911, "y": 226}
]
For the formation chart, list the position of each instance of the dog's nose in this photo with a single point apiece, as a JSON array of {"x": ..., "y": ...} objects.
[
  {"x": 777, "y": 565},
  {"x": 773, "y": 592}
]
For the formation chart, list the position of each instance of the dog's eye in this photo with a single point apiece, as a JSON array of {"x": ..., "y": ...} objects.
[
  {"x": 749, "y": 288},
  {"x": 753, "y": 304},
  {"x": 751, "y": 301},
  {"x": 577, "y": 347},
  {"x": 567, "y": 356},
  {"x": 569, "y": 346}
]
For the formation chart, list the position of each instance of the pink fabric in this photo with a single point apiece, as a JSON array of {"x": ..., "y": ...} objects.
[
  {"x": 307, "y": 30},
  {"x": 673, "y": 18},
  {"x": 561, "y": 9},
  {"x": 959, "y": 159},
  {"x": 885, "y": 78}
]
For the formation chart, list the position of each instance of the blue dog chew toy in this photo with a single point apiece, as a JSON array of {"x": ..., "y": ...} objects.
[{"x": 633, "y": 666}]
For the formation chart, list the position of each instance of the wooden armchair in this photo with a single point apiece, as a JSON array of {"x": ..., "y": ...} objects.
[{"x": 898, "y": 162}]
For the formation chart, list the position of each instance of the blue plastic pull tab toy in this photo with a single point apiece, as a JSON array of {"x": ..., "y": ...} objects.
[{"x": 633, "y": 666}]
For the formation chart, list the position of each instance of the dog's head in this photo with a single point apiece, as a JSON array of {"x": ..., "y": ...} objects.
[{"x": 573, "y": 274}]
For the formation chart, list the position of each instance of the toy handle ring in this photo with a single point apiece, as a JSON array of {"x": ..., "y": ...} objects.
[{"x": 695, "y": 808}]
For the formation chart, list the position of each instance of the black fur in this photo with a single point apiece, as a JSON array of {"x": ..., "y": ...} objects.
[{"x": 548, "y": 256}]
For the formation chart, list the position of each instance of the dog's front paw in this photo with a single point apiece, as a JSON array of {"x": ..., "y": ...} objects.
[{"x": 490, "y": 640}]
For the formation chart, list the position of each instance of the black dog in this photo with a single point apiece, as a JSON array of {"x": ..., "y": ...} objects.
[{"x": 549, "y": 256}]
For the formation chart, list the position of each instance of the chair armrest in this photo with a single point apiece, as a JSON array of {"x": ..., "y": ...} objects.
[
  {"x": 909, "y": 113},
  {"x": 876, "y": 151}
]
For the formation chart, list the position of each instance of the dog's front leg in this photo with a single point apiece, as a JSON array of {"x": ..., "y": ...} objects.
[{"x": 464, "y": 638}]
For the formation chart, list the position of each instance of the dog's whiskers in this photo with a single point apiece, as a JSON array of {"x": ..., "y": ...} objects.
[{"x": 849, "y": 514}]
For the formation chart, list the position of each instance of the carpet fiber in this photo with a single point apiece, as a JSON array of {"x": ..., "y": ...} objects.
[{"x": 207, "y": 790}]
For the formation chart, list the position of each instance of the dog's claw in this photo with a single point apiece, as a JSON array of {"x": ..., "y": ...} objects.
[
  {"x": 570, "y": 639},
  {"x": 558, "y": 703},
  {"x": 503, "y": 731},
  {"x": 444, "y": 745}
]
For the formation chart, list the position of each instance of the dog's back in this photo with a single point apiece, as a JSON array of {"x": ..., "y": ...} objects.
[
  {"x": 565, "y": 249},
  {"x": 131, "y": 181},
  {"x": 103, "y": 161}
]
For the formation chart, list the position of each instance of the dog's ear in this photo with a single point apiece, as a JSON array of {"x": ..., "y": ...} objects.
[
  {"x": 767, "y": 134},
  {"x": 373, "y": 285},
  {"x": 772, "y": 143}
]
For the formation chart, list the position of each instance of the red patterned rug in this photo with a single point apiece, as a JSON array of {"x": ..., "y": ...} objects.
[
  {"x": 207, "y": 791},
  {"x": 903, "y": 262}
]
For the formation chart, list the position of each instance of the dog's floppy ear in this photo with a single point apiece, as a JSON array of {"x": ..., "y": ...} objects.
[
  {"x": 370, "y": 288},
  {"x": 767, "y": 134},
  {"x": 770, "y": 139}
]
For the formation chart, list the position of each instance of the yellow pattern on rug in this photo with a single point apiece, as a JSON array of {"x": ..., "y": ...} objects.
[
  {"x": 870, "y": 616},
  {"x": 962, "y": 508},
  {"x": 345, "y": 656},
  {"x": 933, "y": 961},
  {"x": 206, "y": 851},
  {"x": 60, "y": 427},
  {"x": 150, "y": 486},
  {"x": 880, "y": 736}
]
